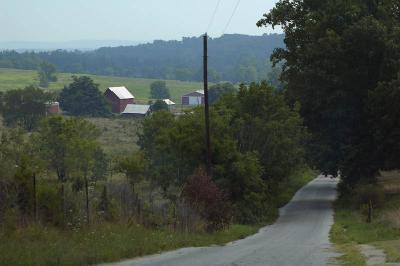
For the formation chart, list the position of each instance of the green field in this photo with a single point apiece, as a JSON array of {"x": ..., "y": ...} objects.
[{"x": 140, "y": 88}]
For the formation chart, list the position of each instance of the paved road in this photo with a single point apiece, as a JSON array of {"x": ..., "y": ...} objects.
[{"x": 299, "y": 237}]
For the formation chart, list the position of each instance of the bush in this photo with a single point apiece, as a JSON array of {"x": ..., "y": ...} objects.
[
  {"x": 364, "y": 194},
  {"x": 104, "y": 207},
  {"x": 49, "y": 201},
  {"x": 203, "y": 195}
]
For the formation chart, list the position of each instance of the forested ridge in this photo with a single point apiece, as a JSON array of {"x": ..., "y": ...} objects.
[{"x": 232, "y": 57}]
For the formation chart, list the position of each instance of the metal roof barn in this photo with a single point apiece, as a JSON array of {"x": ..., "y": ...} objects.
[
  {"x": 119, "y": 97},
  {"x": 136, "y": 110},
  {"x": 122, "y": 93}
]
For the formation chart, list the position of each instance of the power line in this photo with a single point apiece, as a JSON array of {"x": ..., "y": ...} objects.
[
  {"x": 213, "y": 15},
  {"x": 230, "y": 19}
]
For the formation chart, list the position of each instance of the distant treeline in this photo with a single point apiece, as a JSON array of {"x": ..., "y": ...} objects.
[{"x": 235, "y": 58}]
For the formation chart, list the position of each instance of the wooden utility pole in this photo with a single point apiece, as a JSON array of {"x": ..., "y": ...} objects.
[{"x": 206, "y": 105}]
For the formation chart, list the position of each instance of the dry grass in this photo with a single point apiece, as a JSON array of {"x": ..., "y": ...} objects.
[
  {"x": 392, "y": 217},
  {"x": 118, "y": 135},
  {"x": 390, "y": 180}
]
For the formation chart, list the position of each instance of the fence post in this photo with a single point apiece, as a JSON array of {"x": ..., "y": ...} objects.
[
  {"x": 34, "y": 198},
  {"x": 87, "y": 201}
]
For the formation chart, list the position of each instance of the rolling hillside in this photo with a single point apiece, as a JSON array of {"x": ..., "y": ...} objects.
[
  {"x": 232, "y": 57},
  {"x": 140, "y": 88}
]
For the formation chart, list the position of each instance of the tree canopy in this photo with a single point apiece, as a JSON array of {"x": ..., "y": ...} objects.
[
  {"x": 46, "y": 73},
  {"x": 220, "y": 89},
  {"x": 69, "y": 146},
  {"x": 257, "y": 142},
  {"x": 159, "y": 105},
  {"x": 159, "y": 90},
  {"x": 83, "y": 98},
  {"x": 24, "y": 107},
  {"x": 342, "y": 59}
]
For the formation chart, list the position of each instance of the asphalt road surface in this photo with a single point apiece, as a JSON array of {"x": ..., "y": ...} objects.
[{"x": 299, "y": 237}]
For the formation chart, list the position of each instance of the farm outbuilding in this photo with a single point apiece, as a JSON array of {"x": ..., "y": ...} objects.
[
  {"x": 136, "y": 110},
  {"x": 53, "y": 108},
  {"x": 119, "y": 97},
  {"x": 171, "y": 104},
  {"x": 193, "y": 98}
]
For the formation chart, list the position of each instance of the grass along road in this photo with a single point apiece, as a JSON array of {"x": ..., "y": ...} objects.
[
  {"x": 351, "y": 229},
  {"x": 103, "y": 243},
  {"x": 39, "y": 245},
  {"x": 140, "y": 88}
]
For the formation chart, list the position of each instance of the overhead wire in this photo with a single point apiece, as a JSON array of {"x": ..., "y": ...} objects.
[
  {"x": 213, "y": 16},
  {"x": 231, "y": 17}
]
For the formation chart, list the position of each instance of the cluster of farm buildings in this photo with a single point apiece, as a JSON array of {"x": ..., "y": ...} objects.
[{"x": 123, "y": 102}]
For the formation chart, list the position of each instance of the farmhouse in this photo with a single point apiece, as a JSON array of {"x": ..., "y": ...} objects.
[
  {"x": 119, "y": 97},
  {"x": 193, "y": 98},
  {"x": 136, "y": 110}
]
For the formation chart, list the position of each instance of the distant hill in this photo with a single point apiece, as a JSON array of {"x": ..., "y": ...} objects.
[
  {"x": 82, "y": 45},
  {"x": 232, "y": 57}
]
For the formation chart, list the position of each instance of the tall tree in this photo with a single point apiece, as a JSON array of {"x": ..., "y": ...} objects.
[
  {"x": 68, "y": 145},
  {"x": 70, "y": 148},
  {"x": 83, "y": 98},
  {"x": 336, "y": 53},
  {"x": 46, "y": 73},
  {"x": 159, "y": 90}
]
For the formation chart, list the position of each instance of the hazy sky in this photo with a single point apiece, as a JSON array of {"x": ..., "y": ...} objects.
[{"x": 137, "y": 20}]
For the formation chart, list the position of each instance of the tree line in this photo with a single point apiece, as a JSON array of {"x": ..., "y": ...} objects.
[{"x": 234, "y": 58}]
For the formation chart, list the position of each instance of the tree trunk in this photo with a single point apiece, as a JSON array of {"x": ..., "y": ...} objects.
[
  {"x": 34, "y": 198},
  {"x": 63, "y": 204},
  {"x": 369, "y": 219}
]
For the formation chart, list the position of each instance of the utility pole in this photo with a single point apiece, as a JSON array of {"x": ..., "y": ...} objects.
[{"x": 206, "y": 106}]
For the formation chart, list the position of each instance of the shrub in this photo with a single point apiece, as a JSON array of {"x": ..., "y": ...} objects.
[
  {"x": 104, "y": 207},
  {"x": 204, "y": 196},
  {"x": 49, "y": 201},
  {"x": 365, "y": 194}
]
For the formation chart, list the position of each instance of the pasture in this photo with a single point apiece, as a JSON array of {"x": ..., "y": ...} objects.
[{"x": 140, "y": 88}]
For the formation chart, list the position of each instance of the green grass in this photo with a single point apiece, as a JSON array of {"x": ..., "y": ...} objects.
[
  {"x": 351, "y": 229},
  {"x": 140, "y": 88},
  {"x": 104, "y": 243}
]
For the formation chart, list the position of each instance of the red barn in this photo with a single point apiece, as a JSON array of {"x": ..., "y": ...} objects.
[
  {"x": 193, "y": 98},
  {"x": 119, "y": 97}
]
